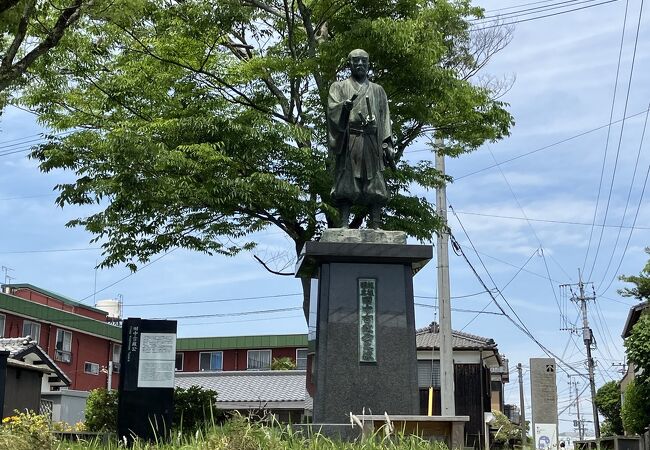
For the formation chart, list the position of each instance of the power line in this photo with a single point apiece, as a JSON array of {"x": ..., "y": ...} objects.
[
  {"x": 561, "y": 222},
  {"x": 533, "y": 10},
  {"x": 128, "y": 276},
  {"x": 233, "y": 314},
  {"x": 609, "y": 128},
  {"x": 546, "y": 147},
  {"x": 620, "y": 137},
  {"x": 424, "y": 305},
  {"x": 543, "y": 16},
  {"x": 221, "y": 300},
  {"x": 519, "y": 6},
  {"x": 629, "y": 237},
  {"x": 539, "y": 241},
  {"x": 53, "y": 250},
  {"x": 627, "y": 202},
  {"x": 520, "y": 326}
]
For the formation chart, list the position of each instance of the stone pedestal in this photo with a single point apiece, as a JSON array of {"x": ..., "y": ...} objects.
[{"x": 365, "y": 355}]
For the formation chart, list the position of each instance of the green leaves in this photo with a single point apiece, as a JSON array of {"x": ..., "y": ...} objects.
[
  {"x": 193, "y": 123},
  {"x": 608, "y": 401}
]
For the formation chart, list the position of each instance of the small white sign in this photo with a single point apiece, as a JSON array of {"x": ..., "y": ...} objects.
[
  {"x": 157, "y": 360},
  {"x": 546, "y": 436}
]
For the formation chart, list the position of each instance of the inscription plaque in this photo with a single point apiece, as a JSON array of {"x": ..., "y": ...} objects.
[{"x": 367, "y": 319}]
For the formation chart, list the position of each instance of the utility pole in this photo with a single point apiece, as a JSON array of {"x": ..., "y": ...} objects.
[
  {"x": 581, "y": 428},
  {"x": 587, "y": 337},
  {"x": 522, "y": 412},
  {"x": 447, "y": 401}
]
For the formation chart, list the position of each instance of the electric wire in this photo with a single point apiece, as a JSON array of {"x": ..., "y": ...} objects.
[
  {"x": 609, "y": 128},
  {"x": 503, "y": 289},
  {"x": 620, "y": 137},
  {"x": 139, "y": 269},
  {"x": 530, "y": 11},
  {"x": 627, "y": 201},
  {"x": 519, "y": 325},
  {"x": 559, "y": 222},
  {"x": 546, "y": 147},
  {"x": 543, "y": 16},
  {"x": 539, "y": 241}
]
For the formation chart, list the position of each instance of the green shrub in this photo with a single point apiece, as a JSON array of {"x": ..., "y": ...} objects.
[
  {"x": 195, "y": 408},
  {"x": 284, "y": 363},
  {"x": 101, "y": 410}
]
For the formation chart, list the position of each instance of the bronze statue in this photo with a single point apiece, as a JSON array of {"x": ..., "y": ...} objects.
[{"x": 359, "y": 140}]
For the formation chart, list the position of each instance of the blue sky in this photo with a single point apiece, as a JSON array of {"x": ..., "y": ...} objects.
[{"x": 565, "y": 68}]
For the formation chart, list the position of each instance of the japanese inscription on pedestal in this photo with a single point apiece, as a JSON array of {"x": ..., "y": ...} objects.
[{"x": 367, "y": 319}]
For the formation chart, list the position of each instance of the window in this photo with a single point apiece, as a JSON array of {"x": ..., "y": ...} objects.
[
  {"x": 179, "y": 361},
  {"x": 63, "y": 346},
  {"x": 428, "y": 373},
  {"x": 32, "y": 329},
  {"x": 117, "y": 352},
  {"x": 210, "y": 361},
  {"x": 301, "y": 359},
  {"x": 2, "y": 325},
  {"x": 91, "y": 368},
  {"x": 259, "y": 360}
]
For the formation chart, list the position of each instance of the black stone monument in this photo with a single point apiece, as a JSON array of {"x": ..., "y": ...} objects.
[
  {"x": 146, "y": 388},
  {"x": 363, "y": 317}
]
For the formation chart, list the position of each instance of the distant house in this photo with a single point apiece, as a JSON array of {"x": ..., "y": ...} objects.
[
  {"x": 80, "y": 338},
  {"x": 25, "y": 370},
  {"x": 479, "y": 374},
  {"x": 281, "y": 392}
]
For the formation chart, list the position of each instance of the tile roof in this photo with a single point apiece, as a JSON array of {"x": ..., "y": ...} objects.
[
  {"x": 428, "y": 337},
  {"x": 15, "y": 345},
  {"x": 249, "y": 386},
  {"x": 25, "y": 351}
]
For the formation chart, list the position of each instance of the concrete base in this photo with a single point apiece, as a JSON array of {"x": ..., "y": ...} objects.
[{"x": 447, "y": 429}]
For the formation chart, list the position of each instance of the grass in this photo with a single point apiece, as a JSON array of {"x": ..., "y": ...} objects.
[{"x": 236, "y": 434}]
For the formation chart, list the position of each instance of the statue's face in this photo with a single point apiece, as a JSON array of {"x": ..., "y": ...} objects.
[{"x": 359, "y": 66}]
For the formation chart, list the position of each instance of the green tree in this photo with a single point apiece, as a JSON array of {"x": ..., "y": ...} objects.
[
  {"x": 637, "y": 346},
  {"x": 506, "y": 430},
  {"x": 608, "y": 402},
  {"x": 635, "y": 410},
  {"x": 641, "y": 290},
  {"x": 28, "y": 30},
  {"x": 196, "y": 124}
]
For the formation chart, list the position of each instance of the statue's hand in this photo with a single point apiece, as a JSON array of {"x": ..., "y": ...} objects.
[{"x": 349, "y": 103}]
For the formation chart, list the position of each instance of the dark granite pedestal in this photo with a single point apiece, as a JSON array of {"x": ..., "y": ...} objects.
[{"x": 363, "y": 365}]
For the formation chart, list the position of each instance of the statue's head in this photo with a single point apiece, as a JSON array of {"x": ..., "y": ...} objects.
[{"x": 359, "y": 61}]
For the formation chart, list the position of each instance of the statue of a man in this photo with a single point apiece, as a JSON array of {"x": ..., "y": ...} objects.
[{"x": 359, "y": 141}]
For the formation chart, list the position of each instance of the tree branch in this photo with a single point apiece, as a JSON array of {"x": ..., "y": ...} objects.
[
  {"x": 268, "y": 8},
  {"x": 21, "y": 32},
  {"x": 69, "y": 16},
  {"x": 274, "y": 272}
]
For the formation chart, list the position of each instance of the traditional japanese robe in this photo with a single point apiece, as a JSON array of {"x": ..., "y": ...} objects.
[{"x": 355, "y": 144}]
